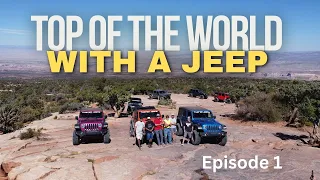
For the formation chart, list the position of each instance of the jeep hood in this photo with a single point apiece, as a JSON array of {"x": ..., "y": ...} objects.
[
  {"x": 83, "y": 120},
  {"x": 207, "y": 121}
]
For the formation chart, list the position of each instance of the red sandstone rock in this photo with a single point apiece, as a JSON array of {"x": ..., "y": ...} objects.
[{"x": 8, "y": 166}]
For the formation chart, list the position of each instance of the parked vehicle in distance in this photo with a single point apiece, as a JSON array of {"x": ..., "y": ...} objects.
[
  {"x": 205, "y": 125},
  {"x": 91, "y": 122},
  {"x": 197, "y": 93},
  {"x": 159, "y": 94},
  {"x": 142, "y": 113},
  {"x": 133, "y": 104},
  {"x": 222, "y": 97}
]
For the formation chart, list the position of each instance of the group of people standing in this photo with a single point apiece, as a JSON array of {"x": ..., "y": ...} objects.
[{"x": 164, "y": 129}]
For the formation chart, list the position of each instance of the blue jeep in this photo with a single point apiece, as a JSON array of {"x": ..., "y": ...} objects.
[{"x": 205, "y": 125}]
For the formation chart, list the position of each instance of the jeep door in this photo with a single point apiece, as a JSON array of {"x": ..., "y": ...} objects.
[
  {"x": 154, "y": 94},
  {"x": 184, "y": 116}
]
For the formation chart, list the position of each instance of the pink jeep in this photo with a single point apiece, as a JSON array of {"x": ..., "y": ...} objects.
[{"x": 91, "y": 122}]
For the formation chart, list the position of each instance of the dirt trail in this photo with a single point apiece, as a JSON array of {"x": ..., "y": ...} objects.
[{"x": 54, "y": 156}]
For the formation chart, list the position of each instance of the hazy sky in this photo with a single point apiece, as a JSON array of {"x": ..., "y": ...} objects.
[{"x": 301, "y": 24}]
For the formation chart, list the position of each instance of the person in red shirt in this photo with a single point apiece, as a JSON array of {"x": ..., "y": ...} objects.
[{"x": 158, "y": 129}]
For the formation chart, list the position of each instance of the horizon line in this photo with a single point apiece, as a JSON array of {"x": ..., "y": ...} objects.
[{"x": 33, "y": 47}]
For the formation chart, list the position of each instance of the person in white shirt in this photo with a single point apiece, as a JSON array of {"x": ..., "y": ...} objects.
[
  {"x": 139, "y": 127},
  {"x": 173, "y": 121}
]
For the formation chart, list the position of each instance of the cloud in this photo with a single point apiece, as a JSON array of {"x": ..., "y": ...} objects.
[{"x": 14, "y": 31}]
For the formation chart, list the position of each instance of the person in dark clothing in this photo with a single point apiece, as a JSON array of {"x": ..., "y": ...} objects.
[
  {"x": 188, "y": 128},
  {"x": 149, "y": 127}
]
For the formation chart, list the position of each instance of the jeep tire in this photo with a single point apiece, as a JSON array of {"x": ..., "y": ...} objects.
[
  {"x": 75, "y": 138},
  {"x": 131, "y": 131},
  {"x": 106, "y": 138},
  {"x": 223, "y": 141},
  {"x": 196, "y": 139},
  {"x": 201, "y": 96},
  {"x": 190, "y": 95},
  {"x": 179, "y": 130}
]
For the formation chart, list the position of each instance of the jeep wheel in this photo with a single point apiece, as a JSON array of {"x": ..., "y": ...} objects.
[
  {"x": 190, "y": 95},
  {"x": 179, "y": 130},
  {"x": 131, "y": 131},
  {"x": 196, "y": 139},
  {"x": 201, "y": 96},
  {"x": 75, "y": 138},
  {"x": 228, "y": 101},
  {"x": 223, "y": 141},
  {"x": 106, "y": 138}
]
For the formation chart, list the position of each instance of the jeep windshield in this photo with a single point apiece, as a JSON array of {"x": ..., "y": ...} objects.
[
  {"x": 135, "y": 101},
  {"x": 202, "y": 114},
  {"x": 94, "y": 114},
  {"x": 159, "y": 92},
  {"x": 151, "y": 114}
]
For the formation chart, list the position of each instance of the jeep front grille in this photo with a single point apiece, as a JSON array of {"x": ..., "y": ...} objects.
[
  {"x": 91, "y": 127},
  {"x": 212, "y": 127}
]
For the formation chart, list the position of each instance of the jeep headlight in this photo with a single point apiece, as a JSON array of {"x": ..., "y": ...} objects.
[
  {"x": 99, "y": 125},
  {"x": 220, "y": 127},
  {"x": 76, "y": 126},
  {"x": 224, "y": 127},
  {"x": 199, "y": 127},
  {"x": 83, "y": 125}
]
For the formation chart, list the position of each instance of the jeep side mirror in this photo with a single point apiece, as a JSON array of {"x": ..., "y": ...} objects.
[
  {"x": 77, "y": 118},
  {"x": 105, "y": 117},
  {"x": 162, "y": 116},
  {"x": 214, "y": 117}
]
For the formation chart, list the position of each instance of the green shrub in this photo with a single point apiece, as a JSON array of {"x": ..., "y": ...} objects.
[
  {"x": 165, "y": 102},
  {"x": 36, "y": 98},
  {"x": 29, "y": 114},
  {"x": 9, "y": 118},
  {"x": 259, "y": 107},
  {"x": 70, "y": 107},
  {"x": 31, "y": 133}
]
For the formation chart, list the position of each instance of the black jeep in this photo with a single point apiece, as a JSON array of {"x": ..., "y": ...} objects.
[
  {"x": 197, "y": 93},
  {"x": 159, "y": 94},
  {"x": 133, "y": 104}
]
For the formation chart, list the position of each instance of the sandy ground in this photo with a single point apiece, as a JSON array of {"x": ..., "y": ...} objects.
[{"x": 54, "y": 157}]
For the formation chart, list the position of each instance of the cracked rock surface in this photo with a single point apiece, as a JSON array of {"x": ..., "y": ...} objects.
[{"x": 54, "y": 157}]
